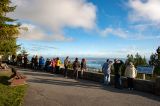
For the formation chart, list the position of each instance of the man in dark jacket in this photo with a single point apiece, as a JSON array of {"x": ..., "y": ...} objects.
[
  {"x": 76, "y": 66},
  {"x": 117, "y": 72},
  {"x": 41, "y": 63}
]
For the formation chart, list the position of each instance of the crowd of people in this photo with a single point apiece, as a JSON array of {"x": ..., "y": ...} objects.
[
  {"x": 130, "y": 73},
  {"x": 53, "y": 65}
]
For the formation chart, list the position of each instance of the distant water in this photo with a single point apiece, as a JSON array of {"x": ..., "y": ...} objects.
[{"x": 98, "y": 62}]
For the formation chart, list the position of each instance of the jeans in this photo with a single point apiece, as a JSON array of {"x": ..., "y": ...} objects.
[
  {"x": 41, "y": 66},
  {"x": 82, "y": 70},
  {"x": 130, "y": 82},
  {"x": 118, "y": 82},
  {"x": 75, "y": 73},
  {"x": 65, "y": 71},
  {"x": 106, "y": 79},
  {"x": 57, "y": 69}
]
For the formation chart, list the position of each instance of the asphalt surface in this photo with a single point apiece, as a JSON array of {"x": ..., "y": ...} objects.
[{"x": 47, "y": 89}]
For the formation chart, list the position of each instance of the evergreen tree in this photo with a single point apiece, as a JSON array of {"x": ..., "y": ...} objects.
[
  {"x": 130, "y": 58},
  {"x": 152, "y": 59},
  {"x": 8, "y": 31},
  {"x": 23, "y": 52},
  {"x": 137, "y": 59},
  {"x": 144, "y": 61}
]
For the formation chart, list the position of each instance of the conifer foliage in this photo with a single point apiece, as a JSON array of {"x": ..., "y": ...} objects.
[
  {"x": 137, "y": 60},
  {"x": 9, "y": 29}
]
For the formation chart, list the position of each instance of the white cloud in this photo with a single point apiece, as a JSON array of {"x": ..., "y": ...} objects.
[
  {"x": 125, "y": 34},
  {"x": 145, "y": 11},
  {"x": 123, "y": 52},
  {"x": 116, "y": 32},
  {"x": 120, "y": 52},
  {"x": 36, "y": 33},
  {"x": 56, "y": 15}
]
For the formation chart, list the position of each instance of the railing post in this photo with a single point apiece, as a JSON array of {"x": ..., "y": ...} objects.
[{"x": 144, "y": 76}]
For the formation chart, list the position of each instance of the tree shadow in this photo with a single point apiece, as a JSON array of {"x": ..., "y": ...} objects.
[
  {"x": 42, "y": 74},
  {"x": 133, "y": 92},
  {"x": 76, "y": 83},
  {"x": 4, "y": 80},
  {"x": 47, "y": 79}
]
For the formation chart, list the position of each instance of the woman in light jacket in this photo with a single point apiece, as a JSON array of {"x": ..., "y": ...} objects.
[{"x": 131, "y": 74}]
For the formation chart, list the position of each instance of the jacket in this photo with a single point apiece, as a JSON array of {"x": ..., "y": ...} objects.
[
  {"x": 76, "y": 65},
  {"x": 58, "y": 63},
  {"x": 131, "y": 71},
  {"x": 117, "y": 68},
  {"x": 106, "y": 69}
]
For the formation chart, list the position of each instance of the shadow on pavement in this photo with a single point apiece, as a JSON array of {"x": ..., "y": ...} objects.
[{"x": 83, "y": 84}]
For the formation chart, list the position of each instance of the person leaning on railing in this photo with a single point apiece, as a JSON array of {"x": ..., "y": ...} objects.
[
  {"x": 83, "y": 66},
  {"x": 66, "y": 65},
  {"x": 76, "y": 66},
  {"x": 131, "y": 74},
  {"x": 117, "y": 65}
]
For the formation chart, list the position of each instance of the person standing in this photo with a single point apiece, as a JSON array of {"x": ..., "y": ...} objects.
[
  {"x": 66, "y": 64},
  {"x": 41, "y": 63},
  {"x": 106, "y": 69},
  {"x": 83, "y": 66},
  {"x": 14, "y": 59},
  {"x": 36, "y": 62},
  {"x": 32, "y": 62},
  {"x": 53, "y": 64},
  {"x": 117, "y": 72},
  {"x": 58, "y": 63},
  {"x": 25, "y": 61},
  {"x": 131, "y": 74},
  {"x": 76, "y": 66}
]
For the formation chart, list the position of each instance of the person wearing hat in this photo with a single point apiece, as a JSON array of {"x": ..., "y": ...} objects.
[{"x": 131, "y": 74}]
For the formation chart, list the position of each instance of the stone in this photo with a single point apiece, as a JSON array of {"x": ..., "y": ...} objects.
[{"x": 17, "y": 82}]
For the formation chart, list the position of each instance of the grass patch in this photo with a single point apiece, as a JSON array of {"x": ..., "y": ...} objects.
[{"x": 10, "y": 96}]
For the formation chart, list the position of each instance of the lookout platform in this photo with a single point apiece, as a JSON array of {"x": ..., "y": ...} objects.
[{"x": 47, "y": 89}]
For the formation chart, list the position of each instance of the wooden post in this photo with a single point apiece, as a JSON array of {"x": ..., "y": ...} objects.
[
  {"x": 1, "y": 58},
  {"x": 144, "y": 76}
]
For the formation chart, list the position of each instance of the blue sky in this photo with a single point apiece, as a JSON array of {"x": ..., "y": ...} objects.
[{"x": 89, "y": 28}]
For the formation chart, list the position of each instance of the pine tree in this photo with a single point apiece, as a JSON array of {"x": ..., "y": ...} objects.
[
  {"x": 130, "y": 58},
  {"x": 137, "y": 59},
  {"x": 9, "y": 31}
]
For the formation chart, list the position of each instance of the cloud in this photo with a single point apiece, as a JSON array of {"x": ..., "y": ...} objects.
[
  {"x": 113, "y": 31},
  {"x": 43, "y": 47},
  {"x": 125, "y": 50},
  {"x": 121, "y": 51},
  {"x": 144, "y": 18},
  {"x": 127, "y": 34},
  {"x": 40, "y": 49},
  {"x": 147, "y": 10},
  {"x": 36, "y": 33},
  {"x": 55, "y": 15}
]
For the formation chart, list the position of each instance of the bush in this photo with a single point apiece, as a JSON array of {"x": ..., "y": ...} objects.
[{"x": 157, "y": 70}]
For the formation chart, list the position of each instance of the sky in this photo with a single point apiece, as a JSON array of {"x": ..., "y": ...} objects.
[{"x": 89, "y": 28}]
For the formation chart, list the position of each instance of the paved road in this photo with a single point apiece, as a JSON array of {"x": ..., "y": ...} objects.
[{"x": 53, "y": 90}]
